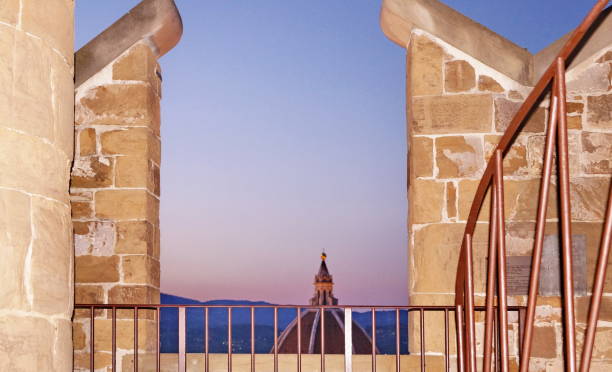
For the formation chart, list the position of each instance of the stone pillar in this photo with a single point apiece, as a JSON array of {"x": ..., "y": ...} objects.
[
  {"x": 115, "y": 194},
  {"x": 36, "y": 148},
  {"x": 464, "y": 84}
]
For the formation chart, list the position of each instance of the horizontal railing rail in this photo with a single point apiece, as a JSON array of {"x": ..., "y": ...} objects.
[{"x": 92, "y": 312}]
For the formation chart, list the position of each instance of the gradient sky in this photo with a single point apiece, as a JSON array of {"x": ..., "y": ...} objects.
[{"x": 283, "y": 131}]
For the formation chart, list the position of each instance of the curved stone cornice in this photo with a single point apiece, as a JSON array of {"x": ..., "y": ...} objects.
[
  {"x": 399, "y": 17},
  {"x": 156, "y": 22}
]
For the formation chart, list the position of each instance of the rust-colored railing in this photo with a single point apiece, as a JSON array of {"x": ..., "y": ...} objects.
[
  {"x": 94, "y": 312},
  {"x": 553, "y": 80}
]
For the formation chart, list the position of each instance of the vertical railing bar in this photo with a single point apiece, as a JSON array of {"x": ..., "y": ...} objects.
[
  {"x": 252, "y": 339},
  {"x": 498, "y": 188},
  {"x": 229, "y": 339},
  {"x": 490, "y": 297},
  {"x": 299, "y": 339},
  {"x": 114, "y": 339},
  {"x": 397, "y": 340},
  {"x": 136, "y": 339},
  {"x": 470, "y": 330},
  {"x": 373, "y": 339},
  {"x": 460, "y": 345},
  {"x": 536, "y": 259},
  {"x": 422, "y": 326},
  {"x": 157, "y": 345},
  {"x": 521, "y": 330},
  {"x": 92, "y": 339},
  {"x": 275, "y": 339},
  {"x": 182, "y": 339},
  {"x": 566, "y": 228},
  {"x": 348, "y": 340},
  {"x": 446, "y": 342},
  {"x": 322, "y": 339},
  {"x": 598, "y": 287},
  {"x": 206, "y": 353}
]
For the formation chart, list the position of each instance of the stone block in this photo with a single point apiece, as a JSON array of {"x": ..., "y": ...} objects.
[
  {"x": 137, "y": 171},
  {"x": 574, "y": 122},
  {"x": 435, "y": 256},
  {"x": 466, "y": 113},
  {"x": 96, "y": 238},
  {"x": 583, "y": 305},
  {"x": 7, "y": 49},
  {"x": 544, "y": 343},
  {"x": 122, "y": 204},
  {"x": 459, "y": 156},
  {"x": 88, "y": 294},
  {"x": 505, "y": 110},
  {"x": 138, "y": 142},
  {"x": 599, "y": 111},
  {"x": 135, "y": 237},
  {"x": 96, "y": 269},
  {"x": 513, "y": 94},
  {"x": 124, "y": 334},
  {"x": 32, "y": 165},
  {"x": 120, "y": 104},
  {"x": 607, "y": 57},
  {"x": 535, "y": 149},
  {"x": 515, "y": 160},
  {"x": 26, "y": 343},
  {"x": 451, "y": 200},
  {"x": 594, "y": 79},
  {"x": 87, "y": 142},
  {"x": 421, "y": 157},
  {"x": 602, "y": 347},
  {"x": 79, "y": 338},
  {"x": 426, "y": 201},
  {"x": 48, "y": 20},
  {"x": 140, "y": 269},
  {"x": 81, "y": 210},
  {"x": 459, "y": 76},
  {"x": 15, "y": 235},
  {"x": 596, "y": 153},
  {"x": 574, "y": 107},
  {"x": 137, "y": 64},
  {"x": 102, "y": 360},
  {"x": 134, "y": 294},
  {"x": 51, "y": 270},
  {"x": 488, "y": 84},
  {"x": 466, "y": 191},
  {"x": 92, "y": 172},
  {"x": 425, "y": 66},
  {"x": 9, "y": 11},
  {"x": 62, "y": 83},
  {"x": 32, "y": 108},
  {"x": 588, "y": 198},
  {"x": 521, "y": 200}
]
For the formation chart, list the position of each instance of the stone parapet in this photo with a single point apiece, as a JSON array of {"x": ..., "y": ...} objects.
[
  {"x": 115, "y": 180},
  {"x": 459, "y": 102}
]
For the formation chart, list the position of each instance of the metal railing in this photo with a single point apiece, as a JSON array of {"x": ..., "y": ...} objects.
[
  {"x": 419, "y": 338},
  {"x": 553, "y": 80}
]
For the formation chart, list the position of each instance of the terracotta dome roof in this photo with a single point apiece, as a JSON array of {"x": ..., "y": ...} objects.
[{"x": 334, "y": 334}]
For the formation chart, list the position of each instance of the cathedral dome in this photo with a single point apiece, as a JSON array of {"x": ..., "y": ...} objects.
[{"x": 333, "y": 321}]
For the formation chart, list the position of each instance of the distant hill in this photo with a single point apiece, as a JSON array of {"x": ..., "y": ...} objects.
[{"x": 264, "y": 326}]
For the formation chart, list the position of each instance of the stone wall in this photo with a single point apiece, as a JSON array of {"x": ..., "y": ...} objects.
[
  {"x": 115, "y": 199},
  {"x": 457, "y": 109},
  {"x": 36, "y": 148}
]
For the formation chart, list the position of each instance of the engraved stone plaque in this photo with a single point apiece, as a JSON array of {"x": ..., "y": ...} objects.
[
  {"x": 518, "y": 269},
  {"x": 550, "y": 274}
]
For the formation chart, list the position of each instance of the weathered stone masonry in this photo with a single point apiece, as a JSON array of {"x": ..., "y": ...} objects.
[
  {"x": 36, "y": 147},
  {"x": 462, "y": 90},
  {"x": 114, "y": 188}
]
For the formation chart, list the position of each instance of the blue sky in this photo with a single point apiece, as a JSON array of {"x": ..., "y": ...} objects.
[{"x": 283, "y": 133}]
